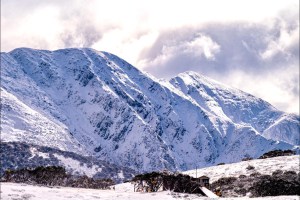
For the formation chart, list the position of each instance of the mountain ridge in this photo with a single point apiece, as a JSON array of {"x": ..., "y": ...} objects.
[{"x": 107, "y": 108}]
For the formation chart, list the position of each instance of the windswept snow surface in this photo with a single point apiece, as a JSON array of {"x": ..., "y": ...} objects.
[
  {"x": 95, "y": 103},
  {"x": 19, "y": 122},
  {"x": 264, "y": 166},
  {"x": 12, "y": 191},
  {"x": 81, "y": 169}
]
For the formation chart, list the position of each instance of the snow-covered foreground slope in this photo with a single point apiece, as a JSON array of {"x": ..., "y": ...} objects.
[
  {"x": 264, "y": 166},
  {"x": 10, "y": 191},
  {"x": 95, "y": 103}
]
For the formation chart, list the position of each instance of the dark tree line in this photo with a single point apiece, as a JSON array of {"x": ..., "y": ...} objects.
[
  {"x": 18, "y": 155},
  {"x": 54, "y": 176},
  {"x": 152, "y": 182},
  {"x": 276, "y": 153}
]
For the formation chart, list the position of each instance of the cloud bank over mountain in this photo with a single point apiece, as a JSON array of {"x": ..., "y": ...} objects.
[{"x": 251, "y": 45}]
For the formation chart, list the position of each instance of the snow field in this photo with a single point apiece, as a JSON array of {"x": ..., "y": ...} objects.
[{"x": 12, "y": 191}]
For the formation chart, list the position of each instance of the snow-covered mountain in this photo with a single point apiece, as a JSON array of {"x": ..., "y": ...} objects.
[
  {"x": 238, "y": 107},
  {"x": 95, "y": 103}
]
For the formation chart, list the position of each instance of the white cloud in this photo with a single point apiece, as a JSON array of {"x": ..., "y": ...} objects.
[
  {"x": 286, "y": 40},
  {"x": 198, "y": 47},
  {"x": 46, "y": 19},
  {"x": 281, "y": 87},
  {"x": 127, "y": 46},
  {"x": 170, "y": 36},
  {"x": 39, "y": 29},
  {"x": 236, "y": 48},
  {"x": 203, "y": 45}
]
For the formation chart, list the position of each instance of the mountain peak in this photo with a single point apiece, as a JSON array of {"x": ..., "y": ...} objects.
[{"x": 83, "y": 100}]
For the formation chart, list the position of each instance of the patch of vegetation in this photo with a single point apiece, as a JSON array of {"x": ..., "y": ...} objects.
[
  {"x": 250, "y": 167},
  {"x": 242, "y": 176},
  {"x": 221, "y": 163},
  {"x": 226, "y": 181},
  {"x": 276, "y": 153},
  {"x": 285, "y": 184},
  {"x": 19, "y": 155},
  {"x": 247, "y": 158},
  {"x": 151, "y": 182},
  {"x": 258, "y": 185},
  {"x": 54, "y": 176},
  {"x": 255, "y": 174},
  {"x": 277, "y": 172}
]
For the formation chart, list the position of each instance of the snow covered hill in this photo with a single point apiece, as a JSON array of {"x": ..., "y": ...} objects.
[
  {"x": 95, "y": 103},
  {"x": 254, "y": 178},
  {"x": 263, "y": 166}
]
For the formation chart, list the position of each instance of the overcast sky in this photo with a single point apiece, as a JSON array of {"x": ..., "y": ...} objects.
[{"x": 251, "y": 44}]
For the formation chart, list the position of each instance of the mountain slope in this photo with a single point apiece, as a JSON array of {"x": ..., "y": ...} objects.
[
  {"x": 94, "y": 103},
  {"x": 239, "y": 107}
]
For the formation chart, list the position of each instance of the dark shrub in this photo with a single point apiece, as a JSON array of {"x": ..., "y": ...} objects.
[
  {"x": 242, "y": 176},
  {"x": 277, "y": 172},
  {"x": 250, "y": 167},
  {"x": 225, "y": 181},
  {"x": 175, "y": 182},
  {"x": 53, "y": 176},
  {"x": 290, "y": 175},
  {"x": 276, "y": 153},
  {"x": 255, "y": 174},
  {"x": 247, "y": 158},
  {"x": 274, "y": 186},
  {"x": 241, "y": 191}
]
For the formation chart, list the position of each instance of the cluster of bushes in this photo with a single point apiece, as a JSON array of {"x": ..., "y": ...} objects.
[
  {"x": 276, "y": 153},
  {"x": 19, "y": 155},
  {"x": 54, "y": 176},
  {"x": 287, "y": 183},
  {"x": 258, "y": 185},
  {"x": 151, "y": 182},
  {"x": 247, "y": 158}
]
